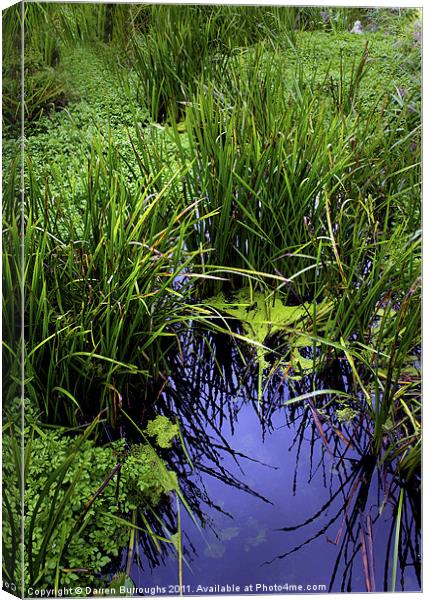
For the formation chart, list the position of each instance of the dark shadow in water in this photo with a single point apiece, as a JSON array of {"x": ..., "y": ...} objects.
[{"x": 284, "y": 494}]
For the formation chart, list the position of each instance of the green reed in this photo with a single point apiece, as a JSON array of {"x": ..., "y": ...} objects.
[
  {"x": 104, "y": 299},
  {"x": 179, "y": 44},
  {"x": 264, "y": 153}
]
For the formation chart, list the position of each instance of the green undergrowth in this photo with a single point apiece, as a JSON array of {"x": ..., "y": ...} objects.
[
  {"x": 102, "y": 106},
  {"x": 58, "y": 145},
  {"x": 78, "y": 515},
  {"x": 325, "y": 58},
  {"x": 281, "y": 164}
]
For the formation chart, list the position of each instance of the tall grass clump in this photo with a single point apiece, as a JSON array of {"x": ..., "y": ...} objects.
[
  {"x": 103, "y": 300},
  {"x": 11, "y": 279},
  {"x": 179, "y": 44},
  {"x": 11, "y": 68},
  {"x": 278, "y": 164},
  {"x": 45, "y": 85},
  {"x": 100, "y": 22},
  {"x": 48, "y": 29},
  {"x": 169, "y": 59},
  {"x": 263, "y": 154},
  {"x": 374, "y": 289}
]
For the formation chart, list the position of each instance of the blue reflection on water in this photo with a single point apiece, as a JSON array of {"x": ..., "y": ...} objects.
[{"x": 338, "y": 499}]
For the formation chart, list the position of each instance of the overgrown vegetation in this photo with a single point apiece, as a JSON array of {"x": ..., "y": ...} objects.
[
  {"x": 77, "y": 512},
  {"x": 243, "y": 170}
]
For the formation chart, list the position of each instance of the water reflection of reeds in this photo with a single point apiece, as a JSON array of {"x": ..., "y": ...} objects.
[{"x": 213, "y": 379}]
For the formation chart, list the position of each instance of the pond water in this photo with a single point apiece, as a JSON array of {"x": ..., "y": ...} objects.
[{"x": 285, "y": 501}]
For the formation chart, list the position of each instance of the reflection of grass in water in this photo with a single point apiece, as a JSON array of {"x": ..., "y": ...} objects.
[
  {"x": 351, "y": 477},
  {"x": 350, "y": 525}
]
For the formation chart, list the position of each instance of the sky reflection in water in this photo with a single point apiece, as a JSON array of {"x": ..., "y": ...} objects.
[{"x": 338, "y": 501}]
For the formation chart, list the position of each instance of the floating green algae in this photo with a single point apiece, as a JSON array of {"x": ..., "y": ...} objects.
[
  {"x": 263, "y": 315},
  {"x": 163, "y": 430},
  {"x": 346, "y": 414}
]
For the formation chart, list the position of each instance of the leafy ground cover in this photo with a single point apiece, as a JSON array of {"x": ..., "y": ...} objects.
[
  {"x": 59, "y": 143},
  {"x": 77, "y": 512}
]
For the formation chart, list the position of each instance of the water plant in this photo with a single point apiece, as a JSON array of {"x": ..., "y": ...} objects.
[
  {"x": 78, "y": 516},
  {"x": 102, "y": 294},
  {"x": 178, "y": 45}
]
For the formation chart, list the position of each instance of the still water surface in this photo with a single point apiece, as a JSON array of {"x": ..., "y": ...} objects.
[{"x": 282, "y": 505}]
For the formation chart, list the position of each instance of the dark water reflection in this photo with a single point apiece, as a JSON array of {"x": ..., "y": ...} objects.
[{"x": 286, "y": 495}]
